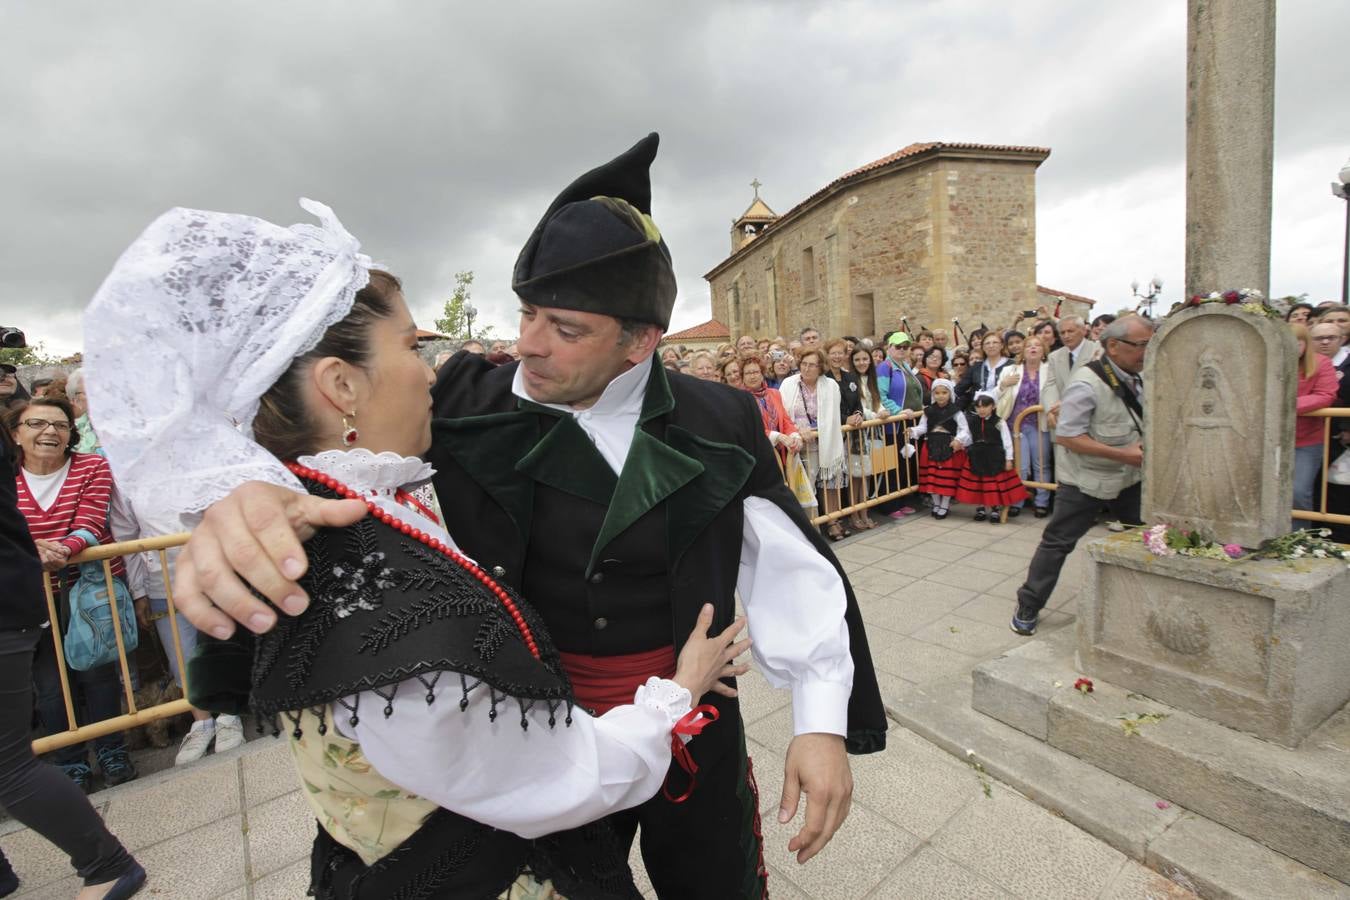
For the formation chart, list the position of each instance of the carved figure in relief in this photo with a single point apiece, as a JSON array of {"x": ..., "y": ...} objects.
[{"x": 1205, "y": 479}]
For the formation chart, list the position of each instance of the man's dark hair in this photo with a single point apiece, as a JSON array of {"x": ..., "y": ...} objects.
[
  {"x": 1103, "y": 319},
  {"x": 631, "y": 329}
]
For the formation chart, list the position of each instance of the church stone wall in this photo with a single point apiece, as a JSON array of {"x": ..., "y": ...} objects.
[{"x": 940, "y": 238}]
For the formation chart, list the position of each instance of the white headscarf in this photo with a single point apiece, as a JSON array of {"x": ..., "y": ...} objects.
[
  {"x": 198, "y": 318},
  {"x": 948, "y": 384}
]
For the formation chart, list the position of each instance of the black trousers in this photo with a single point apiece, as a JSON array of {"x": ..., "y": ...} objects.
[
  {"x": 709, "y": 845},
  {"x": 1075, "y": 513},
  {"x": 40, "y": 795}
]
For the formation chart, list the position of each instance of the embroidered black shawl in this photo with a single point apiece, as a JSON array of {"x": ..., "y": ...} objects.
[{"x": 386, "y": 609}]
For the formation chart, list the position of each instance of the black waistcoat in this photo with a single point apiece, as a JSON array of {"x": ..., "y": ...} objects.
[
  {"x": 623, "y": 606},
  {"x": 986, "y": 452}
]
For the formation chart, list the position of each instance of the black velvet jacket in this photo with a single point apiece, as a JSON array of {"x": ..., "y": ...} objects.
[{"x": 699, "y": 452}]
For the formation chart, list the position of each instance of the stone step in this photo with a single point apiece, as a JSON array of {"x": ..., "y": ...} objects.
[
  {"x": 1193, "y": 851},
  {"x": 1295, "y": 801}
]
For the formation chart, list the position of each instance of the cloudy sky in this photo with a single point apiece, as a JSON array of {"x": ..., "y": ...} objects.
[{"x": 440, "y": 131}]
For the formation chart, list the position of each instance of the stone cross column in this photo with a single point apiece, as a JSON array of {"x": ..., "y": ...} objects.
[{"x": 1230, "y": 127}]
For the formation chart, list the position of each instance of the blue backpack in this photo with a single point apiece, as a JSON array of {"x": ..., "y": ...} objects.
[{"x": 90, "y": 641}]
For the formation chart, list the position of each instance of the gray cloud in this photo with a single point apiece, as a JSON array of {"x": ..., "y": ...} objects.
[{"x": 439, "y": 132}]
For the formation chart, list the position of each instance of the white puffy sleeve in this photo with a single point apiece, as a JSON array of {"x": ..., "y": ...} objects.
[
  {"x": 1007, "y": 440},
  {"x": 963, "y": 430},
  {"x": 527, "y": 781},
  {"x": 919, "y": 430},
  {"x": 794, "y": 606}
]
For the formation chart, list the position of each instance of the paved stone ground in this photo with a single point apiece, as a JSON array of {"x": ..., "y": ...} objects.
[{"x": 936, "y": 597}]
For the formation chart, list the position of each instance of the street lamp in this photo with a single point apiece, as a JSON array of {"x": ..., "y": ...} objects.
[
  {"x": 469, "y": 313},
  {"x": 1151, "y": 295},
  {"x": 1341, "y": 189}
]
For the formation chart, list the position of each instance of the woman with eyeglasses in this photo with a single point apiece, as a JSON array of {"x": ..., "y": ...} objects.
[{"x": 56, "y": 491}]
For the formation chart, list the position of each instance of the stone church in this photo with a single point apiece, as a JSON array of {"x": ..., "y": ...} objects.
[{"x": 933, "y": 232}]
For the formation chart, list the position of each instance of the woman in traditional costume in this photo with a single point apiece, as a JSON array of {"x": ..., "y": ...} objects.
[{"x": 424, "y": 703}]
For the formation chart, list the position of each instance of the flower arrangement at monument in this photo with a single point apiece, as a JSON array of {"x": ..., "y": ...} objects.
[
  {"x": 1249, "y": 300},
  {"x": 1308, "y": 543}
]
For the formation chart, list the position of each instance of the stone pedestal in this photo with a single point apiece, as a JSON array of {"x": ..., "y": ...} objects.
[
  {"x": 1257, "y": 646},
  {"x": 1218, "y": 455}
]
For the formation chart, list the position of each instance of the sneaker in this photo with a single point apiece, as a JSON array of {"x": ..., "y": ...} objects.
[
  {"x": 1024, "y": 621},
  {"x": 80, "y": 773},
  {"x": 995, "y": 515},
  {"x": 980, "y": 514},
  {"x": 196, "y": 742},
  {"x": 117, "y": 767},
  {"x": 1014, "y": 511},
  {"x": 902, "y": 512},
  {"x": 1041, "y": 512},
  {"x": 229, "y": 733}
]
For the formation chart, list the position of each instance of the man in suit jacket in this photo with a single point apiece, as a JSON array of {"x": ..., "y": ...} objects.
[{"x": 1076, "y": 351}]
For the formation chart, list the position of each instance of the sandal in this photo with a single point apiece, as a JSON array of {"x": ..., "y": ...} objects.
[{"x": 835, "y": 533}]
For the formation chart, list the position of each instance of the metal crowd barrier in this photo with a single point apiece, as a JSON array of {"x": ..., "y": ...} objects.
[
  {"x": 883, "y": 472},
  {"x": 883, "y": 475},
  {"x": 1319, "y": 515},
  {"x": 133, "y": 717}
]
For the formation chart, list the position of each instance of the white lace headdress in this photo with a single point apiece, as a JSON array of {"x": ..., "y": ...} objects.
[{"x": 198, "y": 318}]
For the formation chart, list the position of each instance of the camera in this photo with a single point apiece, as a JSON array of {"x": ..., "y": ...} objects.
[
  {"x": 12, "y": 338},
  {"x": 1028, "y": 313}
]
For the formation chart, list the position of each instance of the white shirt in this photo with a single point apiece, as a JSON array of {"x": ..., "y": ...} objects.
[
  {"x": 46, "y": 488},
  {"x": 1340, "y": 356},
  {"x": 793, "y": 598},
  {"x": 528, "y": 781}
]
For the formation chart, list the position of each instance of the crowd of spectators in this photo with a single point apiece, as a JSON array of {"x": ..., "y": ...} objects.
[
  {"x": 855, "y": 418},
  {"x": 1024, "y": 366},
  {"x": 69, "y": 501}
]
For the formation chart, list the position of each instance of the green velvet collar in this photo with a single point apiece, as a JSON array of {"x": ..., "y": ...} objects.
[{"x": 695, "y": 477}]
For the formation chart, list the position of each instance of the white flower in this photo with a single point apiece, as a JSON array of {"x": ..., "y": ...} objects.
[
  {"x": 969, "y": 754},
  {"x": 1320, "y": 553}
]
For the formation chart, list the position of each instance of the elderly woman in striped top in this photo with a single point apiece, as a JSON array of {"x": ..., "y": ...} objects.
[{"x": 61, "y": 492}]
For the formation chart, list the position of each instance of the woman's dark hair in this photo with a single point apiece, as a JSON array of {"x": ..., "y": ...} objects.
[
  {"x": 282, "y": 425},
  {"x": 1312, "y": 310},
  {"x": 19, "y": 411},
  {"x": 870, "y": 376},
  {"x": 941, "y": 354}
]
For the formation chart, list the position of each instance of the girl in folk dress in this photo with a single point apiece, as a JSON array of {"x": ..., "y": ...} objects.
[
  {"x": 942, "y": 458},
  {"x": 988, "y": 479}
]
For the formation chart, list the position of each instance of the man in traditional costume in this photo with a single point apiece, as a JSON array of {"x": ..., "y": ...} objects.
[{"x": 620, "y": 498}]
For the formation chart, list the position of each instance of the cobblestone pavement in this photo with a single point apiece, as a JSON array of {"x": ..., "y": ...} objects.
[{"x": 936, "y": 597}]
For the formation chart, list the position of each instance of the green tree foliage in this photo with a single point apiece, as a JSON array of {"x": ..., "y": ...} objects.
[
  {"x": 455, "y": 322},
  {"x": 33, "y": 355}
]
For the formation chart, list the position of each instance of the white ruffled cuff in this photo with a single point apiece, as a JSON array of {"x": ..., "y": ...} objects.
[{"x": 667, "y": 698}]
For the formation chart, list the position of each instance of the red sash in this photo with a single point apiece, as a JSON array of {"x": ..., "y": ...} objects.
[{"x": 604, "y": 682}]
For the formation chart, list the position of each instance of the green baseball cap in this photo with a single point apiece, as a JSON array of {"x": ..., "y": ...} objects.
[{"x": 899, "y": 338}]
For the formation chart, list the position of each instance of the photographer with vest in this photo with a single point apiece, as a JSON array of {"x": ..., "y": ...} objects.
[{"x": 1098, "y": 457}]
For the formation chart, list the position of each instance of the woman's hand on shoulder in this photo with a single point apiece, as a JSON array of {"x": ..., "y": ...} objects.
[{"x": 705, "y": 660}]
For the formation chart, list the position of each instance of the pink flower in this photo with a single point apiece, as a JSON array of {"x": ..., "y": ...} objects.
[
  {"x": 1233, "y": 551},
  {"x": 1083, "y": 685},
  {"x": 1163, "y": 804}
]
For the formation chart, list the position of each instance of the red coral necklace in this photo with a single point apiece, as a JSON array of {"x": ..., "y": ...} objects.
[{"x": 434, "y": 543}]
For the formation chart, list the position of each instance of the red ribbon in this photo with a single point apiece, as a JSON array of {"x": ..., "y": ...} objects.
[{"x": 691, "y": 723}]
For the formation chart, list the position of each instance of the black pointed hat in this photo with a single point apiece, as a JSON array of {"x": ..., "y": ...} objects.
[{"x": 597, "y": 249}]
